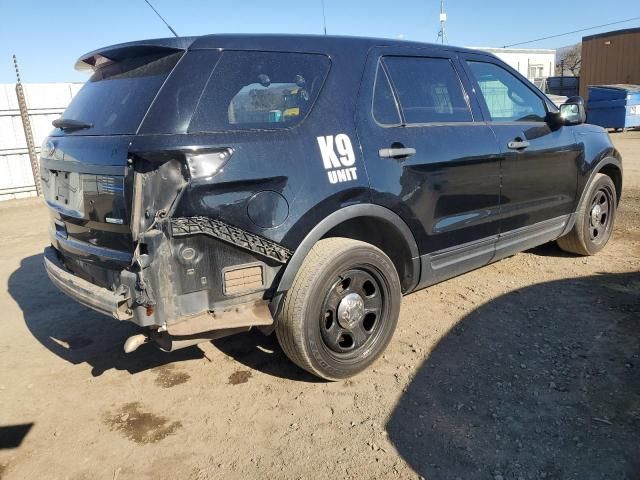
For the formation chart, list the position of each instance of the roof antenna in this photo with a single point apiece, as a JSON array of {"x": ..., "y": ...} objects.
[
  {"x": 324, "y": 18},
  {"x": 165, "y": 22}
]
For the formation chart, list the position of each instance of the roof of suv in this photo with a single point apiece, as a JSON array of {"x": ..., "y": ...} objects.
[
  {"x": 303, "y": 42},
  {"x": 300, "y": 43}
]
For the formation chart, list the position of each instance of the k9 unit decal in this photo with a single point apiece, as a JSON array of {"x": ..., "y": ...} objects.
[{"x": 338, "y": 158}]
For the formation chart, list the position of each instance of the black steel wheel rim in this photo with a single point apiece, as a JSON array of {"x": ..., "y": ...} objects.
[
  {"x": 600, "y": 215},
  {"x": 351, "y": 335}
]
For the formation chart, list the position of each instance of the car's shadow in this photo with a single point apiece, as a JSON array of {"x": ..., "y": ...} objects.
[
  {"x": 263, "y": 353},
  {"x": 80, "y": 335},
  {"x": 76, "y": 333},
  {"x": 542, "y": 382},
  {"x": 550, "y": 249}
]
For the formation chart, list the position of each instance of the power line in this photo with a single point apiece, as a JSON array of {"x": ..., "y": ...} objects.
[
  {"x": 160, "y": 16},
  {"x": 574, "y": 31}
]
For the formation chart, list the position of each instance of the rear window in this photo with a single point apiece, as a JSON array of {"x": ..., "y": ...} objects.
[
  {"x": 118, "y": 94},
  {"x": 260, "y": 90}
]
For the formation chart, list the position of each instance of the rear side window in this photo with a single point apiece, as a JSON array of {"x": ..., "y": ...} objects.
[
  {"x": 385, "y": 109},
  {"x": 118, "y": 94},
  {"x": 508, "y": 99},
  {"x": 260, "y": 90},
  {"x": 428, "y": 89}
]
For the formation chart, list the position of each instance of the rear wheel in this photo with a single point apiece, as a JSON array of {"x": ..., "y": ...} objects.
[
  {"x": 341, "y": 310},
  {"x": 595, "y": 218}
]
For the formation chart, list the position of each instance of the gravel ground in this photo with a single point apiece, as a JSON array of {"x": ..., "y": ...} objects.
[{"x": 526, "y": 369}]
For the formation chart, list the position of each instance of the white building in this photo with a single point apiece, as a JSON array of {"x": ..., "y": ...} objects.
[
  {"x": 45, "y": 103},
  {"x": 535, "y": 64}
]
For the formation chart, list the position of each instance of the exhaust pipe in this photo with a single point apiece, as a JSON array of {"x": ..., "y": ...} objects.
[{"x": 134, "y": 342}]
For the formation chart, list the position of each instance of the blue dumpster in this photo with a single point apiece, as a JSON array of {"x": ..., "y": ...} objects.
[{"x": 614, "y": 106}]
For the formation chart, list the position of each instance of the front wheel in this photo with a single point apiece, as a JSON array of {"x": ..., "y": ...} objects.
[
  {"x": 595, "y": 218},
  {"x": 342, "y": 309}
]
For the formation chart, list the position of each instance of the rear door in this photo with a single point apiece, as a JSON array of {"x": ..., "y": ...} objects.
[
  {"x": 539, "y": 162},
  {"x": 428, "y": 159}
]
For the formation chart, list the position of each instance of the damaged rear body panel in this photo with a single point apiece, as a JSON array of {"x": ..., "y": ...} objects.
[{"x": 172, "y": 246}]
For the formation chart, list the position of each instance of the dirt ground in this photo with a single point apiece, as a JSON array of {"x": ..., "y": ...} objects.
[{"x": 525, "y": 369}]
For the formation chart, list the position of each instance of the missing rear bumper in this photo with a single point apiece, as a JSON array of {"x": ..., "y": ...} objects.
[
  {"x": 114, "y": 304},
  {"x": 195, "y": 279}
]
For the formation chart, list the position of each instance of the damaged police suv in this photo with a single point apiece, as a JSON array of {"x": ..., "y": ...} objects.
[{"x": 200, "y": 187}]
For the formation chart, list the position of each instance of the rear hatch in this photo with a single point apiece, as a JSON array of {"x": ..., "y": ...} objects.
[{"x": 86, "y": 179}]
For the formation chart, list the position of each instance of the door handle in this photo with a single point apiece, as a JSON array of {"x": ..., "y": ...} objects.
[
  {"x": 518, "y": 144},
  {"x": 393, "y": 152}
]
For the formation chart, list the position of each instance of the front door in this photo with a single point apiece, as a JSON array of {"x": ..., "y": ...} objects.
[
  {"x": 539, "y": 162},
  {"x": 428, "y": 159}
]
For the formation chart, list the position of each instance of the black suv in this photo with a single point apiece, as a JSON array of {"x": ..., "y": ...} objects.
[{"x": 203, "y": 186}]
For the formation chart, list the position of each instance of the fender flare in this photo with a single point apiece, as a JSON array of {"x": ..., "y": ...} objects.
[
  {"x": 596, "y": 169},
  {"x": 335, "y": 219},
  {"x": 607, "y": 160}
]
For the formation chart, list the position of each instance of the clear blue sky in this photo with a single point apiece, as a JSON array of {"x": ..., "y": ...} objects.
[{"x": 48, "y": 36}]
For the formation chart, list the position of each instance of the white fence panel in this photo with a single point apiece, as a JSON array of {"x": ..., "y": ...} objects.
[
  {"x": 45, "y": 102},
  {"x": 41, "y": 125},
  {"x": 8, "y": 99},
  {"x": 11, "y": 132},
  {"x": 16, "y": 179},
  {"x": 47, "y": 95}
]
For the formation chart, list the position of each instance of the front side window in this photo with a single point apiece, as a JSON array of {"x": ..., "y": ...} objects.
[
  {"x": 428, "y": 89},
  {"x": 260, "y": 90},
  {"x": 507, "y": 98}
]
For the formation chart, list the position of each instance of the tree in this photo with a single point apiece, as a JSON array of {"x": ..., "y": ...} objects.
[{"x": 571, "y": 59}]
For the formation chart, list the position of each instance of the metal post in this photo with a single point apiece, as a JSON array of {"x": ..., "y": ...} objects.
[
  {"x": 28, "y": 133},
  {"x": 442, "y": 34}
]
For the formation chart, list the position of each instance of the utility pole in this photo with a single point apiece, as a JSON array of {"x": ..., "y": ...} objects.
[
  {"x": 28, "y": 133},
  {"x": 442, "y": 34}
]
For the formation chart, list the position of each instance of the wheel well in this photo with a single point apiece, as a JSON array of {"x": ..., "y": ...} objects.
[
  {"x": 616, "y": 175},
  {"x": 383, "y": 235}
]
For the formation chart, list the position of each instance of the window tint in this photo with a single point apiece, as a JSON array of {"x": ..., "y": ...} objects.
[
  {"x": 173, "y": 108},
  {"x": 118, "y": 94},
  {"x": 508, "y": 99},
  {"x": 428, "y": 89},
  {"x": 385, "y": 110},
  {"x": 255, "y": 90}
]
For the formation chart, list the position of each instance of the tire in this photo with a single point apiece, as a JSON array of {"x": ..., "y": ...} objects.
[
  {"x": 322, "y": 326},
  {"x": 593, "y": 228}
]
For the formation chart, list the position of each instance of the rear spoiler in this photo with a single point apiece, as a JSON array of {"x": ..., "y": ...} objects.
[{"x": 94, "y": 59}]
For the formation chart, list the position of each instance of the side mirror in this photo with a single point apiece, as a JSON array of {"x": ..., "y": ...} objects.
[{"x": 572, "y": 112}]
